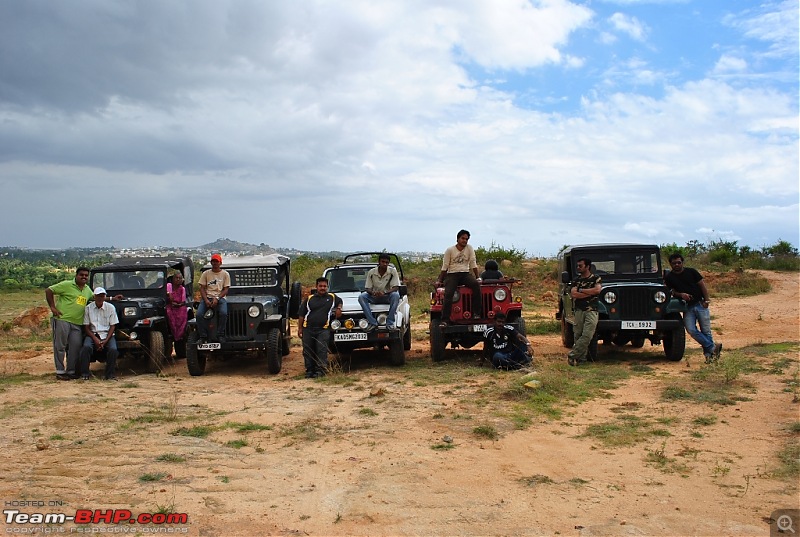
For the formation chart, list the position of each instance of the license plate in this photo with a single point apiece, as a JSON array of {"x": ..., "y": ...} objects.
[
  {"x": 208, "y": 346},
  {"x": 638, "y": 325},
  {"x": 350, "y": 336},
  {"x": 479, "y": 328}
]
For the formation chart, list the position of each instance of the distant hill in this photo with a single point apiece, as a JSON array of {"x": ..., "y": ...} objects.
[{"x": 231, "y": 246}]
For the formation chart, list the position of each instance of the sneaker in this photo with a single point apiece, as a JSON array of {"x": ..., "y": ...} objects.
[
  {"x": 717, "y": 350},
  {"x": 309, "y": 374},
  {"x": 115, "y": 379},
  {"x": 709, "y": 358},
  {"x": 370, "y": 327},
  {"x": 444, "y": 324},
  {"x": 572, "y": 362},
  {"x": 63, "y": 376},
  {"x": 392, "y": 328},
  {"x": 84, "y": 377}
]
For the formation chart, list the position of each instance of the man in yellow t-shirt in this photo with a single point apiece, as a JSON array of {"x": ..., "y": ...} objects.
[
  {"x": 67, "y": 301},
  {"x": 214, "y": 285}
]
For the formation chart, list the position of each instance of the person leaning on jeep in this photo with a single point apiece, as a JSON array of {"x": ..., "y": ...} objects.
[
  {"x": 585, "y": 293},
  {"x": 687, "y": 284},
  {"x": 214, "y": 285},
  {"x": 381, "y": 287},
  {"x": 459, "y": 267},
  {"x": 313, "y": 327}
]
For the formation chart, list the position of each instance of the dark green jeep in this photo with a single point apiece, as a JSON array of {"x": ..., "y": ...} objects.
[{"x": 634, "y": 304}]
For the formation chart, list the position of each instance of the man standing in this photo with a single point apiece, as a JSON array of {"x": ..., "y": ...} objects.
[
  {"x": 504, "y": 347},
  {"x": 99, "y": 321},
  {"x": 459, "y": 267},
  {"x": 313, "y": 327},
  {"x": 67, "y": 301},
  {"x": 585, "y": 294},
  {"x": 687, "y": 284},
  {"x": 381, "y": 287},
  {"x": 214, "y": 285}
]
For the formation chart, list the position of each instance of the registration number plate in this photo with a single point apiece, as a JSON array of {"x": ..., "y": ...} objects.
[
  {"x": 208, "y": 346},
  {"x": 350, "y": 336},
  {"x": 479, "y": 328},
  {"x": 638, "y": 325}
]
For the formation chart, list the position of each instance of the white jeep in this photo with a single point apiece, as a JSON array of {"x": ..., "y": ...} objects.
[{"x": 351, "y": 330}]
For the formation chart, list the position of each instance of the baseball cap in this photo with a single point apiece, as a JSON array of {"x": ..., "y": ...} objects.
[
  {"x": 216, "y": 257},
  {"x": 99, "y": 291}
]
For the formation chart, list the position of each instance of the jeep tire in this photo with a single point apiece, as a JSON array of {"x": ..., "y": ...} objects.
[
  {"x": 397, "y": 352},
  {"x": 195, "y": 360},
  {"x": 675, "y": 342},
  {"x": 156, "y": 352},
  {"x": 567, "y": 333},
  {"x": 437, "y": 341},
  {"x": 273, "y": 353}
]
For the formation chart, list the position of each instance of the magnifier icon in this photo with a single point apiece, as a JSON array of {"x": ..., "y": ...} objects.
[{"x": 784, "y": 523}]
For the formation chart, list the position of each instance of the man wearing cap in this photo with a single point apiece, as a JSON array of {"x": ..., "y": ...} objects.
[
  {"x": 214, "y": 285},
  {"x": 67, "y": 301},
  {"x": 99, "y": 321}
]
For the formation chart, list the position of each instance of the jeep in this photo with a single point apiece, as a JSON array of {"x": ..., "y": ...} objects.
[
  {"x": 347, "y": 281},
  {"x": 634, "y": 304},
  {"x": 260, "y": 302},
  {"x": 143, "y": 330},
  {"x": 464, "y": 330}
]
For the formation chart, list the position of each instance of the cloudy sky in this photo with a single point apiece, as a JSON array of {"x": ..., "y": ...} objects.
[{"x": 358, "y": 124}]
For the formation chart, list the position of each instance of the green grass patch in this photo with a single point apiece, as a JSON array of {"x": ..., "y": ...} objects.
[
  {"x": 247, "y": 427},
  {"x": 626, "y": 430},
  {"x": 536, "y": 479},
  {"x": 705, "y": 421},
  {"x": 367, "y": 412},
  {"x": 198, "y": 431},
  {"x": 237, "y": 444},
  {"x": 789, "y": 459},
  {"x": 486, "y": 431},
  {"x": 658, "y": 458},
  {"x": 157, "y": 476},
  {"x": 170, "y": 457},
  {"x": 443, "y": 446}
]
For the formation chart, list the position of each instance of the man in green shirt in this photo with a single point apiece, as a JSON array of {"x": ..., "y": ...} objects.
[{"x": 67, "y": 301}]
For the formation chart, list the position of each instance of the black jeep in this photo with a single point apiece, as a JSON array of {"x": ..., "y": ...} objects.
[
  {"x": 634, "y": 303},
  {"x": 143, "y": 330},
  {"x": 260, "y": 303}
]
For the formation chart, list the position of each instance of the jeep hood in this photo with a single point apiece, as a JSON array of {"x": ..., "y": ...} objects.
[{"x": 351, "y": 306}]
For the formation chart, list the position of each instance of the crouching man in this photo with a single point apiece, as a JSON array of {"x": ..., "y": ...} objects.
[
  {"x": 99, "y": 322},
  {"x": 504, "y": 346}
]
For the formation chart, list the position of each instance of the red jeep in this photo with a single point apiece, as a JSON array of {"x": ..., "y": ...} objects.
[{"x": 464, "y": 330}]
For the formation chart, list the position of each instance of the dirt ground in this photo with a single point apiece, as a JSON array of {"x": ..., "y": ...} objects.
[{"x": 356, "y": 457}]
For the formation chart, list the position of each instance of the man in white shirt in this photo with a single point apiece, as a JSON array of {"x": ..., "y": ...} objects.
[
  {"x": 381, "y": 287},
  {"x": 459, "y": 267},
  {"x": 99, "y": 322}
]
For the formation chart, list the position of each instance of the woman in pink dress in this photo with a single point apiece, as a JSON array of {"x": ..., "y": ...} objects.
[{"x": 177, "y": 313}]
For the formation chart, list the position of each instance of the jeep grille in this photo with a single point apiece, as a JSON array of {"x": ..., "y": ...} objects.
[
  {"x": 237, "y": 322},
  {"x": 465, "y": 302},
  {"x": 634, "y": 304}
]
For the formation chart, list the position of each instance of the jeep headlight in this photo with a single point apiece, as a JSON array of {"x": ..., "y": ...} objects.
[
  {"x": 253, "y": 311},
  {"x": 349, "y": 324},
  {"x": 129, "y": 311},
  {"x": 382, "y": 318},
  {"x": 336, "y": 324},
  {"x": 500, "y": 294},
  {"x": 610, "y": 297},
  {"x": 660, "y": 297},
  {"x": 363, "y": 324},
  {"x": 456, "y": 296}
]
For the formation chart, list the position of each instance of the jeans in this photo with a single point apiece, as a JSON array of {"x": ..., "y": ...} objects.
[
  {"x": 222, "y": 318},
  {"x": 111, "y": 356},
  {"x": 315, "y": 349},
  {"x": 67, "y": 339},
  {"x": 451, "y": 283},
  {"x": 585, "y": 325},
  {"x": 697, "y": 314},
  {"x": 514, "y": 358},
  {"x": 393, "y": 299}
]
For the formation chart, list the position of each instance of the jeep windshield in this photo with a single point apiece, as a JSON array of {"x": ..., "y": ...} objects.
[
  {"x": 129, "y": 280},
  {"x": 622, "y": 264},
  {"x": 347, "y": 279},
  {"x": 247, "y": 280}
]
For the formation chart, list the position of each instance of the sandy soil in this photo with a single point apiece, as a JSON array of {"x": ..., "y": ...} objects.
[{"x": 356, "y": 457}]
